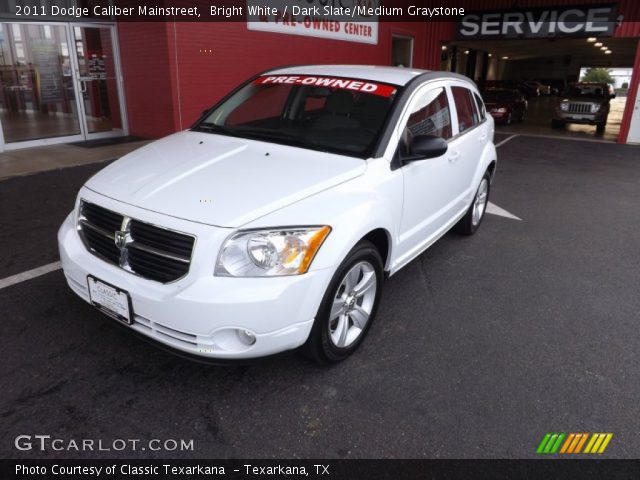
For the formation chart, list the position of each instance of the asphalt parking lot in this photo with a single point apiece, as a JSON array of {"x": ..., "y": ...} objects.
[{"x": 481, "y": 346}]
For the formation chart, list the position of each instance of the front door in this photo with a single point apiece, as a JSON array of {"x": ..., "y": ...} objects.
[
  {"x": 97, "y": 81},
  {"x": 430, "y": 189}
]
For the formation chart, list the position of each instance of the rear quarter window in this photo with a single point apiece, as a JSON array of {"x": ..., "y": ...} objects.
[{"x": 482, "y": 111}]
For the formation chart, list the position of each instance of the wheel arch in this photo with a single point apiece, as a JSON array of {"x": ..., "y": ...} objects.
[{"x": 381, "y": 239}]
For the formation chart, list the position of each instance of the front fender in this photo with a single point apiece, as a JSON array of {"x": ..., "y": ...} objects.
[{"x": 352, "y": 210}]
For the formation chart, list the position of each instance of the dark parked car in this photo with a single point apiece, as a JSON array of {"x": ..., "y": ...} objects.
[
  {"x": 505, "y": 105},
  {"x": 585, "y": 103}
]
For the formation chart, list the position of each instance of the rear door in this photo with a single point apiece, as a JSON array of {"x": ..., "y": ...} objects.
[{"x": 465, "y": 148}]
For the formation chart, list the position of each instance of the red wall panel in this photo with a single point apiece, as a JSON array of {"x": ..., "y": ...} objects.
[{"x": 147, "y": 77}]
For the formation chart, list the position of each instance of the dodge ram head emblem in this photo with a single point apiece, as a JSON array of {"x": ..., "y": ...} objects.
[{"x": 120, "y": 239}]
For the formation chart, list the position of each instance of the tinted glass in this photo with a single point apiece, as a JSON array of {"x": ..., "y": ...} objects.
[
  {"x": 481, "y": 110},
  {"x": 431, "y": 116},
  {"x": 340, "y": 115},
  {"x": 465, "y": 106}
]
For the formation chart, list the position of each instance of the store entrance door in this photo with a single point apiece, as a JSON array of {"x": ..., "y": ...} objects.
[{"x": 97, "y": 81}]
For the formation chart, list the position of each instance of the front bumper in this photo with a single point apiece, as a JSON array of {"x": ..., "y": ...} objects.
[{"x": 201, "y": 314}]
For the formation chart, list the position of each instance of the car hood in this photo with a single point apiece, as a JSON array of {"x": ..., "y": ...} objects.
[{"x": 220, "y": 180}]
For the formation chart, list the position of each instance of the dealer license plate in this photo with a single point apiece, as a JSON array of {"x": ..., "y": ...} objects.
[{"x": 109, "y": 299}]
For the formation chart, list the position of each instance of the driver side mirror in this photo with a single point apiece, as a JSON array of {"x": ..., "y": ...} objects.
[
  {"x": 423, "y": 147},
  {"x": 613, "y": 95}
]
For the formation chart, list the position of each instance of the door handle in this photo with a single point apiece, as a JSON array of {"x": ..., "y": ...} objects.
[{"x": 453, "y": 158}]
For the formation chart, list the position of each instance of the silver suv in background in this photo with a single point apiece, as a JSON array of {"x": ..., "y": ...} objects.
[{"x": 585, "y": 103}]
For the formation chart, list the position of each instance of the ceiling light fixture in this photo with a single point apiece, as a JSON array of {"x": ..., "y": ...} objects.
[
  {"x": 505, "y": 58},
  {"x": 599, "y": 44},
  {"x": 591, "y": 39},
  {"x": 603, "y": 48},
  {"x": 607, "y": 52}
]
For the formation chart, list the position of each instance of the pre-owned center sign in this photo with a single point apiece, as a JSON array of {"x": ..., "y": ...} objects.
[
  {"x": 574, "y": 21},
  {"x": 346, "y": 20}
]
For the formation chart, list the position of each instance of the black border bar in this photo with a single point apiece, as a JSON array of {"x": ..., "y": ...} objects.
[{"x": 557, "y": 468}]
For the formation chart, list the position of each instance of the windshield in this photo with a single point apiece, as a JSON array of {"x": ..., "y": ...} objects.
[
  {"x": 330, "y": 114},
  {"x": 492, "y": 96},
  {"x": 586, "y": 91}
]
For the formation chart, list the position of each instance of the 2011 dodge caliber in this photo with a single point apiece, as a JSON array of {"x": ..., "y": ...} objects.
[{"x": 271, "y": 223}]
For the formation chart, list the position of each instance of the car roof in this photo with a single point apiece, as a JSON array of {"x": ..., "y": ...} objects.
[{"x": 393, "y": 75}]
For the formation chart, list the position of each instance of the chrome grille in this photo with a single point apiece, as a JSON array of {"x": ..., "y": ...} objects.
[
  {"x": 580, "y": 107},
  {"x": 147, "y": 250}
]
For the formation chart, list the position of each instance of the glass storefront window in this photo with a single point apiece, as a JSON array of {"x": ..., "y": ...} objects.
[{"x": 37, "y": 95}]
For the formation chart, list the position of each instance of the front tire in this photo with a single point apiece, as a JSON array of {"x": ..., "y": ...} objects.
[
  {"x": 469, "y": 224},
  {"x": 557, "y": 123},
  {"x": 348, "y": 307}
]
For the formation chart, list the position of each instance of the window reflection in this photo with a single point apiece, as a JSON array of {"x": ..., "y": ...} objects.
[{"x": 37, "y": 98}]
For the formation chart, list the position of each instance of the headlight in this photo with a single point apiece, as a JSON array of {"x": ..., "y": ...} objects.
[
  {"x": 595, "y": 107},
  {"x": 270, "y": 253},
  {"x": 564, "y": 106}
]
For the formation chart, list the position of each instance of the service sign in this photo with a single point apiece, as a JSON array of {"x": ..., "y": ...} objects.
[
  {"x": 573, "y": 21},
  {"x": 346, "y": 20}
]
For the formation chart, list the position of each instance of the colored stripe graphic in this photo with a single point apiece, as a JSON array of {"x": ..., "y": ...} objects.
[
  {"x": 598, "y": 443},
  {"x": 550, "y": 443},
  {"x": 572, "y": 443},
  {"x": 581, "y": 442}
]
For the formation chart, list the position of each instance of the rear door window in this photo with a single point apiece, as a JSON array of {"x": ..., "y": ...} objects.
[{"x": 466, "y": 108}]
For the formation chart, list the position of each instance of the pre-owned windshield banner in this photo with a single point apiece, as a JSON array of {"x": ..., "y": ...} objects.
[{"x": 330, "y": 82}]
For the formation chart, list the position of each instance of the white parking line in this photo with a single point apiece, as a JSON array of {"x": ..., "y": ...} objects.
[
  {"x": 493, "y": 209},
  {"x": 29, "y": 274},
  {"x": 506, "y": 140},
  {"x": 43, "y": 270}
]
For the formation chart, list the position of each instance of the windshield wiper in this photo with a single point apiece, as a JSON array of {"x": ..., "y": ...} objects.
[
  {"x": 212, "y": 127},
  {"x": 294, "y": 140}
]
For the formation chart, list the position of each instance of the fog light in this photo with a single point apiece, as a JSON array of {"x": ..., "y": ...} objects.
[{"x": 246, "y": 337}]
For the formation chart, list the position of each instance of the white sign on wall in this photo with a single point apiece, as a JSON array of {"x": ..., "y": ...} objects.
[{"x": 346, "y": 20}]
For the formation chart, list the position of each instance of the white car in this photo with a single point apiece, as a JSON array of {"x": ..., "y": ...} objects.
[{"x": 272, "y": 223}]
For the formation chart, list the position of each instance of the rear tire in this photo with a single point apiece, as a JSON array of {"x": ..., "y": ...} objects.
[
  {"x": 523, "y": 115},
  {"x": 469, "y": 224},
  {"x": 600, "y": 127},
  {"x": 509, "y": 119},
  {"x": 348, "y": 307}
]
